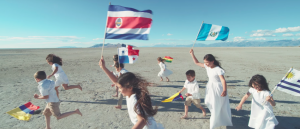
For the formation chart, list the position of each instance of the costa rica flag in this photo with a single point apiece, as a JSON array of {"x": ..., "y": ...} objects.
[
  {"x": 127, "y": 23},
  {"x": 127, "y": 55}
]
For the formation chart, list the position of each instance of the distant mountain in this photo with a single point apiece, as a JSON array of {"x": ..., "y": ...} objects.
[
  {"x": 68, "y": 47},
  {"x": 279, "y": 43},
  {"x": 107, "y": 45}
]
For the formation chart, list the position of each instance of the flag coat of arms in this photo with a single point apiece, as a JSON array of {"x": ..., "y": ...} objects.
[
  {"x": 128, "y": 23},
  {"x": 127, "y": 55},
  {"x": 23, "y": 112},
  {"x": 173, "y": 98},
  {"x": 213, "y": 32},
  {"x": 290, "y": 83}
]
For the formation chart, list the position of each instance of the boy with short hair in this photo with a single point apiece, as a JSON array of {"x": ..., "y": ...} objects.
[
  {"x": 120, "y": 70},
  {"x": 46, "y": 88},
  {"x": 193, "y": 95}
]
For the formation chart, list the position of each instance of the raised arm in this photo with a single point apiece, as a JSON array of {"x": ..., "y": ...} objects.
[
  {"x": 195, "y": 59},
  {"x": 111, "y": 76},
  {"x": 270, "y": 100},
  {"x": 239, "y": 107}
]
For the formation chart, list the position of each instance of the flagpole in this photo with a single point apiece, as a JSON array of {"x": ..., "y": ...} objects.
[
  {"x": 104, "y": 35},
  {"x": 198, "y": 34},
  {"x": 282, "y": 79}
]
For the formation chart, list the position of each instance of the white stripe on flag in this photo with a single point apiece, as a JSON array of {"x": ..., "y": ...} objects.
[
  {"x": 128, "y": 31},
  {"x": 214, "y": 28},
  {"x": 128, "y": 14}
]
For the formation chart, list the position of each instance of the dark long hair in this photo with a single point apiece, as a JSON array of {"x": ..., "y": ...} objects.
[
  {"x": 139, "y": 85},
  {"x": 54, "y": 59},
  {"x": 115, "y": 58},
  {"x": 260, "y": 81},
  {"x": 210, "y": 57},
  {"x": 161, "y": 59}
]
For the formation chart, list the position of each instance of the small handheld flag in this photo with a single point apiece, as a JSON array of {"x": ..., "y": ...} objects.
[
  {"x": 173, "y": 98},
  {"x": 213, "y": 32},
  {"x": 168, "y": 59},
  {"x": 127, "y": 23},
  {"x": 23, "y": 112},
  {"x": 127, "y": 54},
  {"x": 290, "y": 83}
]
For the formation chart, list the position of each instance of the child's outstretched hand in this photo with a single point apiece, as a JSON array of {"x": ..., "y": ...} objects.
[
  {"x": 36, "y": 96},
  {"x": 102, "y": 63},
  {"x": 49, "y": 76},
  {"x": 224, "y": 93},
  {"x": 239, "y": 107},
  {"x": 188, "y": 94},
  {"x": 112, "y": 85},
  {"x": 269, "y": 98},
  {"x": 192, "y": 51}
]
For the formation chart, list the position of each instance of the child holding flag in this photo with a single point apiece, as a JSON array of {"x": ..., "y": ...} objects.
[
  {"x": 58, "y": 72},
  {"x": 138, "y": 99},
  {"x": 216, "y": 97},
  {"x": 262, "y": 116},
  {"x": 46, "y": 88},
  {"x": 193, "y": 95},
  {"x": 164, "y": 72}
]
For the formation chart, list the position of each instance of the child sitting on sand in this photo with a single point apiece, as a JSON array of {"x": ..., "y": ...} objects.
[
  {"x": 58, "y": 72},
  {"x": 261, "y": 116},
  {"x": 193, "y": 95},
  {"x": 46, "y": 88}
]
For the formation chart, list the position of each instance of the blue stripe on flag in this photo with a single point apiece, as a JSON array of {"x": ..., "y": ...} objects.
[
  {"x": 288, "y": 88},
  {"x": 25, "y": 109},
  {"x": 121, "y": 8},
  {"x": 123, "y": 45},
  {"x": 204, "y": 31},
  {"x": 124, "y": 59},
  {"x": 291, "y": 84},
  {"x": 127, "y": 36},
  {"x": 223, "y": 35}
]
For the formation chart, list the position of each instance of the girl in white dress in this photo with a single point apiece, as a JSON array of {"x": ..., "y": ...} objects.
[
  {"x": 216, "y": 98},
  {"x": 58, "y": 72},
  {"x": 138, "y": 99},
  {"x": 262, "y": 116},
  {"x": 164, "y": 72}
]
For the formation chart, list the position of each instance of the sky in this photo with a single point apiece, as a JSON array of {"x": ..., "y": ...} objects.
[{"x": 81, "y": 23}]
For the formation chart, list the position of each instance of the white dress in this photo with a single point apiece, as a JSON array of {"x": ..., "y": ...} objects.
[
  {"x": 131, "y": 101},
  {"x": 218, "y": 106},
  {"x": 164, "y": 72},
  {"x": 262, "y": 116},
  {"x": 60, "y": 76}
]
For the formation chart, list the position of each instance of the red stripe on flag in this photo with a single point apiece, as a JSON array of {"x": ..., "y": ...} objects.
[
  {"x": 30, "y": 106},
  {"x": 168, "y": 57},
  {"x": 129, "y": 22},
  {"x": 133, "y": 52}
]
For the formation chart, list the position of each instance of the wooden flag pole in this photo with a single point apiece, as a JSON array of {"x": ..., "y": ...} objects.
[
  {"x": 104, "y": 35},
  {"x": 197, "y": 35}
]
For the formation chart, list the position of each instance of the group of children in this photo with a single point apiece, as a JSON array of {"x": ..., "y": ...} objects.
[{"x": 138, "y": 100}]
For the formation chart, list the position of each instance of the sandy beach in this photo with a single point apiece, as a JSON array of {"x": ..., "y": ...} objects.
[{"x": 17, "y": 86}]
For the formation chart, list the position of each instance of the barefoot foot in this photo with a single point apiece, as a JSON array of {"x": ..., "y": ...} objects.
[
  {"x": 184, "y": 117},
  {"x": 118, "y": 107},
  {"x": 116, "y": 95},
  {"x": 80, "y": 88},
  {"x": 204, "y": 113},
  {"x": 78, "y": 112}
]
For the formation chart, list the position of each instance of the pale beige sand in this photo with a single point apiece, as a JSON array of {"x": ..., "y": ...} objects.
[{"x": 17, "y": 85}]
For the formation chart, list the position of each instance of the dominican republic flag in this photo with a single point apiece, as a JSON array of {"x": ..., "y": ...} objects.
[
  {"x": 213, "y": 32},
  {"x": 127, "y": 23},
  {"x": 127, "y": 55},
  {"x": 290, "y": 83}
]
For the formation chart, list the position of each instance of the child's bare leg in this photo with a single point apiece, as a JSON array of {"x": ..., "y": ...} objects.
[
  {"x": 66, "y": 87},
  {"x": 203, "y": 111},
  {"x": 119, "y": 106},
  {"x": 186, "y": 109},
  {"x": 117, "y": 91},
  {"x": 56, "y": 89},
  {"x": 161, "y": 79},
  {"x": 167, "y": 79},
  {"x": 69, "y": 113},
  {"x": 47, "y": 122}
]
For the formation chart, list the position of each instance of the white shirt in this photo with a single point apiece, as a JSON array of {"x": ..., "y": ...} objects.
[
  {"x": 46, "y": 87},
  {"x": 60, "y": 71},
  {"x": 122, "y": 71},
  {"x": 192, "y": 88}
]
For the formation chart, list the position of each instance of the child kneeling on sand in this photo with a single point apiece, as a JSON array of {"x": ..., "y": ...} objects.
[
  {"x": 46, "y": 88},
  {"x": 193, "y": 95}
]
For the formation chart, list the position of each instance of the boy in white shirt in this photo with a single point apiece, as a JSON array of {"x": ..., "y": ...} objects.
[
  {"x": 193, "y": 95},
  {"x": 46, "y": 88}
]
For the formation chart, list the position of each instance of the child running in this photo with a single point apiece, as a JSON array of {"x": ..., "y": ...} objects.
[
  {"x": 164, "y": 72},
  {"x": 261, "y": 116},
  {"x": 193, "y": 95},
  {"x": 120, "y": 70},
  {"x": 60, "y": 76},
  {"x": 138, "y": 100},
  {"x": 216, "y": 97},
  {"x": 46, "y": 88}
]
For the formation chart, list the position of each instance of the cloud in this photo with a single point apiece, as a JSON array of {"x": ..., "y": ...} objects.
[
  {"x": 262, "y": 35},
  {"x": 287, "y": 35},
  {"x": 297, "y": 34},
  {"x": 238, "y": 39},
  {"x": 169, "y": 34},
  {"x": 289, "y": 29},
  {"x": 97, "y": 38},
  {"x": 260, "y": 38}
]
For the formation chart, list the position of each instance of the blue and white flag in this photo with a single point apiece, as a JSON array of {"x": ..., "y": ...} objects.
[
  {"x": 127, "y": 55},
  {"x": 128, "y": 23},
  {"x": 213, "y": 32},
  {"x": 290, "y": 83}
]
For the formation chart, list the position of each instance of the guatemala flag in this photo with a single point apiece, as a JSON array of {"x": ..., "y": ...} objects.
[
  {"x": 213, "y": 32},
  {"x": 127, "y": 55},
  {"x": 127, "y": 23}
]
